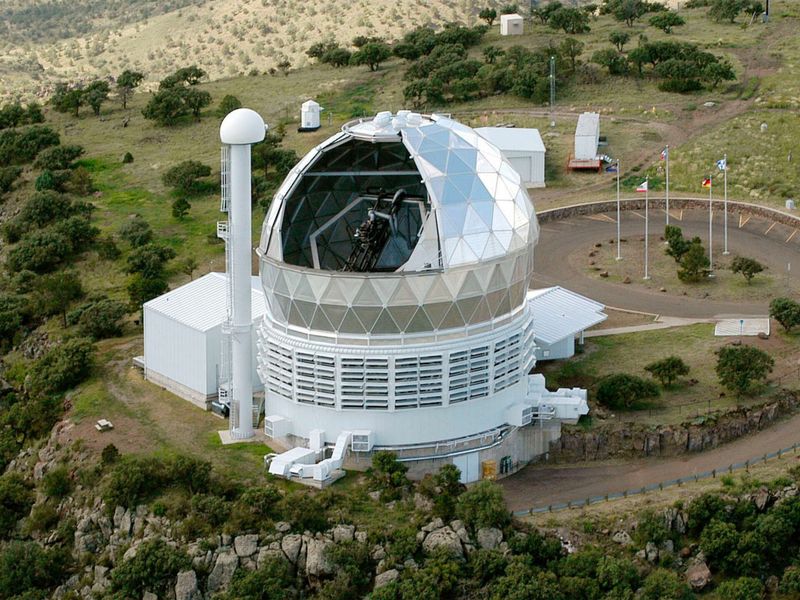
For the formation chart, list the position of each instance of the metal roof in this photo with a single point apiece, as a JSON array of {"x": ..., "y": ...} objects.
[
  {"x": 559, "y": 313},
  {"x": 513, "y": 138},
  {"x": 588, "y": 124},
  {"x": 201, "y": 304}
]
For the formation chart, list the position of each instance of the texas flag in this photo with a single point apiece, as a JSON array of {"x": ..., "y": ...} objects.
[
  {"x": 664, "y": 154},
  {"x": 706, "y": 182},
  {"x": 643, "y": 187}
]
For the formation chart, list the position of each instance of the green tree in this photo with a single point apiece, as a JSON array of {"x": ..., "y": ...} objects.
[
  {"x": 136, "y": 231},
  {"x": 40, "y": 252},
  {"x": 619, "y": 39},
  {"x": 491, "y": 54},
  {"x": 667, "y": 370},
  {"x": 228, "y": 104},
  {"x": 166, "y": 107},
  {"x": 149, "y": 260},
  {"x": 482, "y": 505},
  {"x": 748, "y": 267},
  {"x": 29, "y": 572},
  {"x": 319, "y": 49},
  {"x": 618, "y": 575},
  {"x": 272, "y": 581},
  {"x": 790, "y": 582},
  {"x": 623, "y": 391},
  {"x": 99, "y": 319},
  {"x": 628, "y": 11},
  {"x": 337, "y": 57},
  {"x": 58, "y": 158},
  {"x": 786, "y": 312},
  {"x": 196, "y": 100},
  {"x": 8, "y": 175},
  {"x": 57, "y": 483},
  {"x": 741, "y": 369},
  {"x": 180, "y": 208},
  {"x": 717, "y": 72},
  {"x": 95, "y": 94},
  {"x": 666, "y": 20},
  {"x": 67, "y": 99},
  {"x": 571, "y": 20},
  {"x": 141, "y": 289},
  {"x": 726, "y": 10},
  {"x": 188, "y": 266},
  {"x": 488, "y": 14},
  {"x": 185, "y": 177},
  {"x": 545, "y": 12},
  {"x": 663, "y": 584},
  {"x": 63, "y": 366},
  {"x": 16, "y": 499},
  {"x": 509, "y": 9},
  {"x": 372, "y": 55},
  {"x": 52, "y": 181},
  {"x": 185, "y": 76},
  {"x": 153, "y": 568},
  {"x": 388, "y": 475},
  {"x": 677, "y": 245},
  {"x": 127, "y": 82},
  {"x": 447, "y": 489},
  {"x": 743, "y": 588},
  {"x": 694, "y": 264},
  {"x": 54, "y": 293},
  {"x": 615, "y": 62},
  {"x": 571, "y": 48}
]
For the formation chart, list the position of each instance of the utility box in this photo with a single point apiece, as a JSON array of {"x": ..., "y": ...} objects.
[
  {"x": 511, "y": 24},
  {"x": 309, "y": 116}
]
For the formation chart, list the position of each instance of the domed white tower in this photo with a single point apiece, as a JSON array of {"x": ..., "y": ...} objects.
[{"x": 395, "y": 260}]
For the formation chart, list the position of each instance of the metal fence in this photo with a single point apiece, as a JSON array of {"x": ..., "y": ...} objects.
[{"x": 657, "y": 486}]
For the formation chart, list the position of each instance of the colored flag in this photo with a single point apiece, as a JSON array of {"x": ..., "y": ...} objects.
[
  {"x": 664, "y": 154},
  {"x": 706, "y": 182},
  {"x": 643, "y": 187},
  {"x": 722, "y": 164},
  {"x": 611, "y": 169}
]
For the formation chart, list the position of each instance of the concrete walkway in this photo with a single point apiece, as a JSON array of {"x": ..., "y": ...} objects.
[{"x": 658, "y": 323}]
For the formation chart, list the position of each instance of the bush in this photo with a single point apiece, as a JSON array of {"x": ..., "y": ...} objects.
[
  {"x": 191, "y": 473},
  {"x": 109, "y": 455},
  {"x": 59, "y": 158},
  {"x": 694, "y": 264},
  {"x": 99, "y": 318},
  {"x": 136, "y": 231},
  {"x": 180, "y": 208},
  {"x": 127, "y": 158},
  {"x": 28, "y": 572},
  {"x": 56, "y": 483},
  {"x": 667, "y": 370},
  {"x": 662, "y": 584},
  {"x": 63, "y": 367},
  {"x": 154, "y": 569},
  {"x": 305, "y": 512},
  {"x": 790, "y": 582},
  {"x": 650, "y": 527},
  {"x": 16, "y": 499},
  {"x": 617, "y": 574},
  {"x": 387, "y": 475},
  {"x": 482, "y": 505},
  {"x": 8, "y": 175},
  {"x": 185, "y": 177},
  {"x": 149, "y": 260},
  {"x": 786, "y": 312},
  {"x": 742, "y": 369},
  {"x": 133, "y": 480},
  {"x": 228, "y": 104},
  {"x": 272, "y": 581},
  {"x": 744, "y": 588},
  {"x": 623, "y": 391}
]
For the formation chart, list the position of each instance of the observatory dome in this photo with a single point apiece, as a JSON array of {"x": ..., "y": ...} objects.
[{"x": 400, "y": 224}]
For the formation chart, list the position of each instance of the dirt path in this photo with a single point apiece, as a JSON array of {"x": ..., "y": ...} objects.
[{"x": 542, "y": 485}]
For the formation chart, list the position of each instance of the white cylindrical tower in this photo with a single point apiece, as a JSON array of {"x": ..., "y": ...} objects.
[{"x": 239, "y": 130}]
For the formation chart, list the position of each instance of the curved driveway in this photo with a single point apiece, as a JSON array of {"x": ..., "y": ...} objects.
[{"x": 559, "y": 239}]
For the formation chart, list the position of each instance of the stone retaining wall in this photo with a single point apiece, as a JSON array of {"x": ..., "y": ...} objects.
[
  {"x": 632, "y": 440},
  {"x": 593, "y": 208}
]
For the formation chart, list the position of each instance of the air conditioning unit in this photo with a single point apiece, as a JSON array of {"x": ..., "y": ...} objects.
[
  {"x": 361, "y": 441},
  {"x": 276, "y": 426},
  {"x": 519, "y": 415}
]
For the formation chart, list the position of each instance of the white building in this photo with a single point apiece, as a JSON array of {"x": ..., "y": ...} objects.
[
  {"x": 587, "y": 136},
  {"x": 559, "y": 318},
  {"x": 183, "y": 333},
  {"x": 395, "y": 260},
  {"x": 523, "y": 148},
  {"x": 511, "y": 24},
  {"x": 310, "y": 115}
]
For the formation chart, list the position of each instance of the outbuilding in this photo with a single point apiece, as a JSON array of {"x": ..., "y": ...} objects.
[
  {"x": 587, "y": 136},
  {"x": 523, "y": 148},
  {"x": 559, "y": 317},
  {"x": 310, "y": 116},
  {"x": 183, "y": 337},
  {"x": 512, "y": 24}
]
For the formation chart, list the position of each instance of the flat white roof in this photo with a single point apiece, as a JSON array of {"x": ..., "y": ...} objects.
[
  {"x": 588, "y": 124},
  {"x": 201, "y": 304},
  {"x": 519, "y": 139},
  {"x": 511, "y": 17},
  {"x": 559, "y": 313}
]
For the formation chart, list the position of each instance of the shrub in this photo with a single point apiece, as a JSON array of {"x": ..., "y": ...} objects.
[
  {"x": 261, "y": 501},
  {"x": 790, "y": 582},
  {"x": 28, "y": 571},
  {"x": 667, "y": 370},
  {"x": 786, "y": 312},
  {"x": 650, "y": 527},
  {"x": 133, "y": 480},
  {"x": 744, "y": 588},
  {"x": 662, "y": 584},
  {"x": 694, "y": 264},
  {"x": 748, "y": 267},
  {"x": 482, "y": 505},
  {"x": 63, "y": 366},
  {"x": 136, "y": 231},
  {"x": 127, "y": 158},
  {"x": 154, "y": 568},
  {"x": 185, "y": 177},
  {"x": 99, "y": 318},
  {"x": 56, "y": 483},
  {"x": 109, "y": 455},
  {"x": 149, "y": 260},
  {"x": 59, "y": 158},
  {"x": 8, "y": 175},
  {"x": 210, "y": 510},
  {"x": 623, "y": 391},
  {"x": 228, "y": 104},
  {"x": 742, "y": 369},
  {"x": 387, "y": 475},
  {"x": 305, "y": 512},
  {"x": 16, "y": 499},
  {"x": 617, "y": 574},
  {"x": 192, "y": 473},
  {"x": 272, "y": 581}
]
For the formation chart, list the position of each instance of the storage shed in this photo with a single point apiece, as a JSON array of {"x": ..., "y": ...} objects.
[
  {"x": 511, "y": 24},
  {"x": 183, "y": 335},
  {"x": 310, "y": 116},
  {"x": 587, "y": 136},
  {"x": 559, "y": 316},
  {"x": 523, "y": 148}
]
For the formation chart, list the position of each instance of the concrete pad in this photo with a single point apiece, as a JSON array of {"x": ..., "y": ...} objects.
[{"x": 740, "y": 327}]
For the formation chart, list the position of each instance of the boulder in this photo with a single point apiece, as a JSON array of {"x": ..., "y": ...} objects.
[
  {"x": 443, "y": 538},
  {"x": 489, "y": 538},
  {"x": 149, "y": 596},
  {"x": 622, "y": 537},
  {"x": 386, "y": 577},
  {"x": 283, "y": 527},
  {"x": 651, "y": 552},
  {"x": 762, "y": 499},
  {"x": 437, "y": 523},
  {"x": 698, "y": 576},
  {"x": 290, "y": 545},
  {"x": 317, "y": 563},
  {"x": 246, "y": 545},
  {"x": 220, "y": 577},
  {"x": 343, "y": 533},
  {"x": 186, "y": 586}
]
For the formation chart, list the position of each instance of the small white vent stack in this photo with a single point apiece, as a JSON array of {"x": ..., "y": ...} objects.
[{"x": 239, "y": 130}]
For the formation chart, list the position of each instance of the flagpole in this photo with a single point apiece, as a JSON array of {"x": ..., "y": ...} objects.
[
  {"x": 646, "y": 224},
  {"x": 619, "y": 245},
  {"x": 710, "y": 223},
  {"x": 725, "y": 201},
  {"x": 667, "y": 194}
]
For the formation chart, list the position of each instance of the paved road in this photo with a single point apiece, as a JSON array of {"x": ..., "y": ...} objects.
[
  {"x": 559, "y": 239},
  {"x": 539, "y": 486}
]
